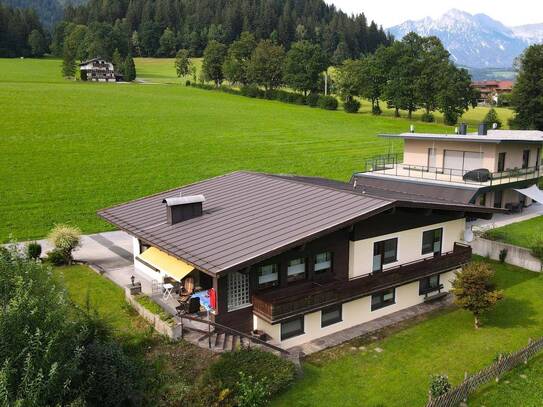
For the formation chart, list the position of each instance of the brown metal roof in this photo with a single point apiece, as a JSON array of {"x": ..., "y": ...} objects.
[{"x": 247, "y": 217}]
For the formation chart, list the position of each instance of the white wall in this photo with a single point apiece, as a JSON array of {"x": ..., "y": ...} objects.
[
  {"x": 409, "y": 246},
  {"x": 354, "y": 313},
  {"x": 149, "y": 272}
]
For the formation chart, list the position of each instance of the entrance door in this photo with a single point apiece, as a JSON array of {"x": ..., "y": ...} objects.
[
  {"x": 501, "y": 162},
  {"x": 238, "y": 291},
  {"x": 431, "y": 159}
]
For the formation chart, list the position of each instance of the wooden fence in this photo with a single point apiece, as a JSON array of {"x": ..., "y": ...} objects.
[{"x": 460, "y": 393}]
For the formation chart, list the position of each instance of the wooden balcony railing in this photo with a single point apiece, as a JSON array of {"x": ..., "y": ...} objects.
[{"x": 282, "y": 303}]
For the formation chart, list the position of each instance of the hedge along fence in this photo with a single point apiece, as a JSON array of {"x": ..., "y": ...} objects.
[
  {"x": 311, "y": 100},
  {"x": 504, "y": 364}
]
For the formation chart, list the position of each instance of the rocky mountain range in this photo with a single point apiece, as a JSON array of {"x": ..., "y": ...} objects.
[{"x": 476, "y": 41}]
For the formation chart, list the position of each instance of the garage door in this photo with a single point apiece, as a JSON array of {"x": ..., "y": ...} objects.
[
  {"x": 453, "y": 162},
  {"x": 472, "y": 161}
]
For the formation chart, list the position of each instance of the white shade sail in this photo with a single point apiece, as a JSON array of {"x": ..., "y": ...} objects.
[{"x": 532, "y": 192}]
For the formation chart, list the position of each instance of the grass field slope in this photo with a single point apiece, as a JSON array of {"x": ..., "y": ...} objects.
[{"x": 70, "y": 148}]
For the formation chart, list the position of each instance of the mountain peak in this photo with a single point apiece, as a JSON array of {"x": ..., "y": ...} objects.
[{"x": 476, "y": 41}]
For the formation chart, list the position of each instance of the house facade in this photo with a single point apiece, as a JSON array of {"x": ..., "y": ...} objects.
[
  {"x": 492, "y": 168},
  {"x": 490, "y": 91},
  {"x": 298, "y": 258},
  {"x": 97, "y": 69}
]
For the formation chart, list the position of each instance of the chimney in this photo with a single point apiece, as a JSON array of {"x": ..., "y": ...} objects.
[
  {"x": 182, "y": 208},
  {"x": 483, "y": 129},
  {"x": 463, "y": 129}
]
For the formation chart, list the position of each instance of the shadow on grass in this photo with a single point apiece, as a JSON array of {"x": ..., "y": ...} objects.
[{"x": 512, "y": 313}]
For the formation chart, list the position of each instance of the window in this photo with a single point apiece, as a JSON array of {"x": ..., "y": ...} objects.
[
  {"x": 268, "y": 276},
  {"x": 482, "y": 200},
  {"x": 296, "y": 270},
  {"x": 384, "y": 252},
  {"x": 383, "y": 299},
  {"x": 498, "y": 195},
  {"x": 238, "y": 291},
  {"x": 323, "y": 262},
  {"x": 431, "y": 241},
  {"x": 331, "y": 315},
  {"x": 501, "y": 162},
  {"x": 429, "y": 284},
  {"x": 525, "y": 159},
  {"x": 292, "y": 328}
]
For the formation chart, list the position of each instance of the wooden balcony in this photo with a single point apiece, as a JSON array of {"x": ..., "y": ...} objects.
[{"x": 282, "y": 303}]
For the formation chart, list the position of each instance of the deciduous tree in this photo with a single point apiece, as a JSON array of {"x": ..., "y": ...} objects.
[
  {"x": 304, "y": 65},
  {"x": 237, "y": 61},
  {"x": 474, "y": 291},
  {"x": 182, "y": 63},
  {"x": 214, "y": 56},
  {"x": 266, "y": 65}
]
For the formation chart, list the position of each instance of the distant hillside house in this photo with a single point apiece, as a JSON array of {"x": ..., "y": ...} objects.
[
  {"x": 491, "y": 90},
  {"x": 98, "y": 69}
]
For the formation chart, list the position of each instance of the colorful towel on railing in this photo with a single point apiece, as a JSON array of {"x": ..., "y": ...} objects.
[{"x": 205, "y": 299}]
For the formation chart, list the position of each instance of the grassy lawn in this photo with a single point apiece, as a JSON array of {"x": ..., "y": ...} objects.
[
  {"x": 446, "y": 343},
  {"x": 522, "y": 386},
  {"x": 70, "y": 148},
  {"x": 523, "y": 233}
]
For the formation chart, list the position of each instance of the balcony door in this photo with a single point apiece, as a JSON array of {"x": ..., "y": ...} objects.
[
  {"x": 501, "y": 162},
  {"x": 431, "y": 159},
  {"x": 384, "y": 252},
  {"x": 525, "y": 159},
  {"x": 432, "y": 241}
]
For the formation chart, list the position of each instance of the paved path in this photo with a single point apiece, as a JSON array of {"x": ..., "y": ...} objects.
[{"x": 498, "y": 220}]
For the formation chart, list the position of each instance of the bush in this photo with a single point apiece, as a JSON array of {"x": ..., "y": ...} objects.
[
  {"x": 313, "y": 99},
  {"x": 328, "y": 102},
  {"x": 376, "y": 110},
  {"x": 427, "y": 117},
  {"x": 33, "y": 250},
  {"x": 251, "y": 393},
  {"x": 503, "y": 255},
  {"x": 56, "y": 258},
  {"x": 220, "y": 382},
  {"x": 439, "y": 385},
  {"x": 351, "y": 105},
  {"x": 300, "y": 100},
  {"x": 450, "y": 118},
  {"x": 65, "y": 239},
  {"x": 492, "y": 118},
  {"x": 187, "y": 83},
  {"x": 252, "y": 92}
]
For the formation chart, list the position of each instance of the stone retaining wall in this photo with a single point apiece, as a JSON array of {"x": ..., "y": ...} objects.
[
  {"x": 516, "y": 255},
  {"x": 162, "y": 327}
]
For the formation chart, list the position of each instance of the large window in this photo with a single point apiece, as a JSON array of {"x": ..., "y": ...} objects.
[
  {"x": 383, "y": 299},
  {"x": 384, "y": 252},
  {"x": 291, "y": 328},
  {"x": 238, "y": 291},
  {"x": 268, "y": 276},
  {"x": 429, "y": 284},
  {"x": 296, "y": 270},
  {"x": 331, "y": 315},
  {"x": 323, "y": 262},
  {"x": 431, "y": 241}
]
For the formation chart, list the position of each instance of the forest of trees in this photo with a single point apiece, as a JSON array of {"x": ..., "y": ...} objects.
[{"x": 21, "y": 33}]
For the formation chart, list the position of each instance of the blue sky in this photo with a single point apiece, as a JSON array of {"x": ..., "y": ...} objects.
[{"x": 392, "y": 12}]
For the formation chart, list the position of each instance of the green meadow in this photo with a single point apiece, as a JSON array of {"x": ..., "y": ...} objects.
[{"x": 69, "y": 148}]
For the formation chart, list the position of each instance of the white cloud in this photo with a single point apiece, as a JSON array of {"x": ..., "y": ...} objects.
[{"x": 389, "y": 13}]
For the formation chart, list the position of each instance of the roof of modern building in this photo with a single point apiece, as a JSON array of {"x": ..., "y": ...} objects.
[
  {"x": 492, "y": 136},
  {"x": 248, "y": 217}
]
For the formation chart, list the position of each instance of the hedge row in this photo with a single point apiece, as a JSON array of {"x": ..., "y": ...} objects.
[{"x": 312, "y": 100}]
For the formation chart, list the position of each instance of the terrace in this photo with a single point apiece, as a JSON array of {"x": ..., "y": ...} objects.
[
  {"x": 279, "y": 304},
  {"x": 390, "y": 166}
]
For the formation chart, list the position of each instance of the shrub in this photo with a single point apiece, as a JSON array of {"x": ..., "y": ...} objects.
[
  {"x": 56, "y": 258},
  {"x": 251, "y": 393},
  {"x": 450, "y": 118},
  {"x": 187, "y": 83},
  {"x": 328, "y": 102},
  {"x": 427, "y": 117},
  {"x": 351, "y": 105},
  {"x": 491, "y": 118},
  {"x": 313, "y": 99},
  {"x": 376, "y": 110},
  {"x": 65, "y": 239},
  {"x": 439, "y": 385},
  {"x": 220, "y": 381},
  {"x": 537, "y": 248},
  {"x": 33, "y": 250},
  {"x": 503, "y": 255},
  {"x": 300, "y": 100},
  {"x": 252, "y": 92}
]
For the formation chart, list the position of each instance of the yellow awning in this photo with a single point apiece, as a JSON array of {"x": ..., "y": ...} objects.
[{"x": 164, "y": 262}]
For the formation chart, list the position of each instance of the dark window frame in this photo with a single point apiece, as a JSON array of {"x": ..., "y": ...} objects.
[
  {"x": 425, "y": 287},
  {"x": 433, "y": 241},
  {"x": 525, "y": 158},
  {"x": 298, "y": 332},
  {"x": 380, "y": 245},
  {"x": 323, "y": 271},
  {"x": 501, "y": 161},
  {"x": 498, "y": 201},
  {"x": 297, "y": 277},
  {"x": 269, "y": 284},
  {"x": 383, "y": 303},
  {"x": 335, "y": 320}
]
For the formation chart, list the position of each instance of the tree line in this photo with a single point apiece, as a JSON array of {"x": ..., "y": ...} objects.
[
  {"x": 21, "y": 33},
  {"x": 408, "y": 75}
]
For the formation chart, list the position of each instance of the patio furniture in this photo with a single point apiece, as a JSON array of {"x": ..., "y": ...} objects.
[
  {"x": 176, "y": 284},
  {"x": 191, "y": 306},
  {"x": 167, "y": 294},
  {"x": 187, "y": 290}
]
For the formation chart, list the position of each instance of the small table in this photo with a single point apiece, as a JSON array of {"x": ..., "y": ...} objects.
[{"x": 167, "y": 294}]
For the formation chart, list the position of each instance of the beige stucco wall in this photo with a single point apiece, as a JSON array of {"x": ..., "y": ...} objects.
[
  {"x": 416, "y": 152},
  {"x": 354, "y": 313},
  {"x": 409, "y": 246}
]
